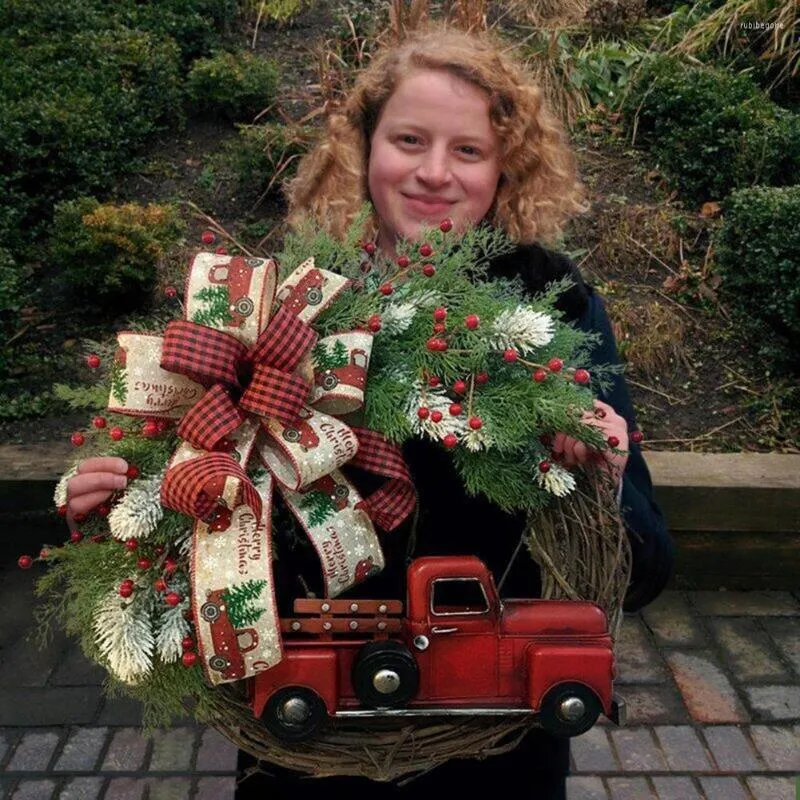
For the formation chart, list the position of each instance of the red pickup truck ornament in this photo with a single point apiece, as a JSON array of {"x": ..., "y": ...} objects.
[{"x": 459, "y": 650}]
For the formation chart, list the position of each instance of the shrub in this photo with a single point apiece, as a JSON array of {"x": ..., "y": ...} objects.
[
  {"x": 712, "y": 132},
  {"x": 107, "y": 255},
  {"x": 758, "y": 255},
  {"x": 235, "y": 85}
]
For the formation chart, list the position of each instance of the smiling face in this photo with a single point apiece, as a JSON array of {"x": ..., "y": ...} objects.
[{"x": 434, "y": 154}]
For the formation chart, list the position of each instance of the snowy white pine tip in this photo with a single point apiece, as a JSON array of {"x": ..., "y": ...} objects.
[
  {"x": 522, "y": 329},
  {"x": 434, "y": 399},
  {"x": 137, "y": 515},
  {"x": 556, "y": 480},
  {"x": 60, "y": 494}
]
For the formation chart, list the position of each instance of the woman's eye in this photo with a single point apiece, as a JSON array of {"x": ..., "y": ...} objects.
[
  {"x": 408, "y": 138},
  {"x": 469, "y": 150}
]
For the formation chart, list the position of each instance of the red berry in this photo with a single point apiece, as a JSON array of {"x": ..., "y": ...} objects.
[
  {"x": 459, "y": 387},
  {"x": 159, "y": 549},
  {"x": 62, "y": 511},
  {"x": 208, "y": 237},
  {"x": 540, "y": 375},
  {"x": 544, "y": 466},
  {"x": 93, "y": 360},
  {"x": 613, "y": 441},
  {"x": 472, "y": 321},
  {"x": 171, "y": 291},
  {"x": 170, "y": 565},
  {"x": 221, "y": 251},
  {"x": 555, "y": 364},
  {"x": 445, "y": 225},
  {"x": 481, "y": 378},
  {"x": 189, "y": 658},
  {"x": 132, "y": 472},
  {"x": 150, "y": 429},
  {"x": 125, "y": 590},
  {"x": 476, "y": 423},
  {"x": 433, "y": 381},
  {"x": 403, "y": 262},
  {"x": 451, "y": 440},
  {"x": 187, "y": 643},
  {"x": 44, "y": 554},
  {"x": 425, "y": 250},
  {"x": 510, "y": 354},
  {"x": 386, "y": 289},
  {"x": 75, "y": 537},
  {"x": 455, "y": 409},
  {"x": 116, "y": 434},
  {"x": 172, "y": 599},
  {"x": 582, "y": 376},
  {"x": 103, "y": 510},
  {"x": 637, "y": 437},
  {"x": 436, "y": 416},
  {"x": 77, "y": 439},
  {"x": 423, "y": 413},
  {"x": 439, "y": 327},
  {"x": 160, "y": 585},
  {"x": 432, "y": 344},
  {"x": 370, "y": 248},
  {"x": 130, "y": 545},
  {"x": 24, "y": 562},
  {"x": 79, "y": 517},
  {"x": 162, "y": 424},
  {"x": 374, "y": 323},
  {"x": 127, "y": 582},
  {"x": 428, "y": 270},
  {"x": 144, "y": 563},
  {"x": 99, "y": 422},
  {"x": 440, "y": 314}
]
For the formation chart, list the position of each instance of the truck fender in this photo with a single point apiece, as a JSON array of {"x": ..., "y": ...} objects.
[
  {"x": 315, "y": 669},
  {"x": 551, "y": 664}
]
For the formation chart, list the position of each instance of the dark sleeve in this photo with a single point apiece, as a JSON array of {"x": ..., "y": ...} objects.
[{"x": 653, "y": 550}]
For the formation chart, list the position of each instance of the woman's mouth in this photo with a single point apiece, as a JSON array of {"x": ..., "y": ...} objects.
[{"x": 427, "y": 206}]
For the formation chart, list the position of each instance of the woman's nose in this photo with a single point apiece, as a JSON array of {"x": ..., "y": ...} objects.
[{"x": 434, "y": 166}]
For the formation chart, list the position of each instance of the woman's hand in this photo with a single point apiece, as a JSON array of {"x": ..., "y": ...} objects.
[
  {"x": 96, "y": 481},
  {"x": 570, "y": 452}
]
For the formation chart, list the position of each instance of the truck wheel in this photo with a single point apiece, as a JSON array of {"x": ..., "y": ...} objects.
[
  {"x": 294, "y": 713},
  {"x": 569, "y": 709},
  {"x": 385, "y": 675}
]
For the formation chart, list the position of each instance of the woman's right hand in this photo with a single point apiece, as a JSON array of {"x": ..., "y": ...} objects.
[{"x": 96, "y": 481}]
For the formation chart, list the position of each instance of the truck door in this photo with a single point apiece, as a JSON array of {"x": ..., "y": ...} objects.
[{"x": 463, "y": 640}]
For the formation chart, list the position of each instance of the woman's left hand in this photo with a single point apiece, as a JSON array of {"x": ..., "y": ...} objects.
[{"x": 571, "y": 452}]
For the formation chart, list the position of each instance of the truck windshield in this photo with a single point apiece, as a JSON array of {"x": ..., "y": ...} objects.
[{"x": 458, "y": 596}]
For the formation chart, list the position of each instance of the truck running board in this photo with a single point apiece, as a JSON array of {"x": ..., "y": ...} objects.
[{"x": 432, "y": 712}]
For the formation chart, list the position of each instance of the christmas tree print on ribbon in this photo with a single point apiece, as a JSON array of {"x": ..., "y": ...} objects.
[
  {"x": 319, "y": 505},
  {"x": 217, "y": 306},
  {"x": 239, "y": 603},
  {"x": 119, "y": 383},
  {"x": 326, "y": 359}
]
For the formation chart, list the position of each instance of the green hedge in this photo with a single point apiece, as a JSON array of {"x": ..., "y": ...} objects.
[
  {"x": 711, "y": 131},
  {"x": 758, "y": 254}
]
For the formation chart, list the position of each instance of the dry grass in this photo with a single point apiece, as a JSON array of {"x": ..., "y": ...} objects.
[{"x": 550, "y": 14}]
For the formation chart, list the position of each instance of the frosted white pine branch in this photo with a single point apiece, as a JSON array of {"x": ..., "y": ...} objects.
[
  {"x": 521, "y": 328},
  {"x": 124, "y": 634},
  {"x": 172, "y": 628},
  {"x": 434, "y": 399},
  {"x": 556, "y": 480},
  {"x": 60, "y": 494},
  {"x": 137, "y": 515},
  {"x": 397, "y": 318},
  {"x": 477, "y": 440}
]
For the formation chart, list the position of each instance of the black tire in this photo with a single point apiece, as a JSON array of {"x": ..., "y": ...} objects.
[
  {"x": 313, "y": 296},
  {"x": 218, "y": 663},
  {"x": 375, "y": 657},
  {"x": 244, "y": 306},
  {"x": 282, "y": 726},
  {"x": 552, "y": 717},
  {"x": 209, "y": 611},
  {"x": 291, "y": 434},
  {"x": 329, "y": 382}
]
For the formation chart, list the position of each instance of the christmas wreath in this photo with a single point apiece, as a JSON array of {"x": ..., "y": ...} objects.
[{"x": 274, "y": 375}]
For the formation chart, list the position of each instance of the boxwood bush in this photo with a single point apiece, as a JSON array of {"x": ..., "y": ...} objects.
[
  {"x": 712, "y": 131},
  {"x": 758, "y": 254}
]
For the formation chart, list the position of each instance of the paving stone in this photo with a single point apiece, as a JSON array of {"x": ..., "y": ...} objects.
[
  {"x": 216, "y": 754},
  {"x": 637, "y": 750},
  {"x": 774, "y": 702},
  {"x": 786, "y": 635},
  {"x": 682, "y": 748},
  {"x": 745, "y": 604},
  {"x": 88, "y": 788},
  {"x": 34, "y": 790},
  {"x": 769, "y": 788},
  {"x": 35, "y": 707},
  {"x": 77, "y": 670},
  {"x": 716, "y": 788},
  {"x": 672, "y": 621},
  {"x": 170, "y": 788},
  {"x": 705, "y": 688},
  {"x": 749, "y": 651},
  {"x": 676, "y": 787},
  {"x": 120, "y": 711},
  {"x": 172, "y": 750},
  {"x": 651, "y": 705},
  {"x": 592, "y": 752},
  {"x": 638, "y": 661},
  {"x": 225, "y": 789},
  {"x": 730, "y": 748},
  {"x": 33, "y": 752},
  {"x": 82, "y": 750},
  {"x": 125, "y": 789},
  {"x": 126, "y": 752},
  {"x": 630, "y": 789},
  {"x": 23, "y": 663},
  {"x": 778, "y": 746},
  {"x": 8, "y": 738},
  {"x": 6, "y": 785}
]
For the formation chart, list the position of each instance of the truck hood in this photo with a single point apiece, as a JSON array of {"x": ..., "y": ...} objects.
[{"x": 552, "y": 618}]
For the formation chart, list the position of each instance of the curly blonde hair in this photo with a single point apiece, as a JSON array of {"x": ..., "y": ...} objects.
[{"x": 539, "y": 188}]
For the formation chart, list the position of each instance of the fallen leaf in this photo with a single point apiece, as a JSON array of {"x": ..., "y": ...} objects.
[{"x": 710, "y": 209}]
